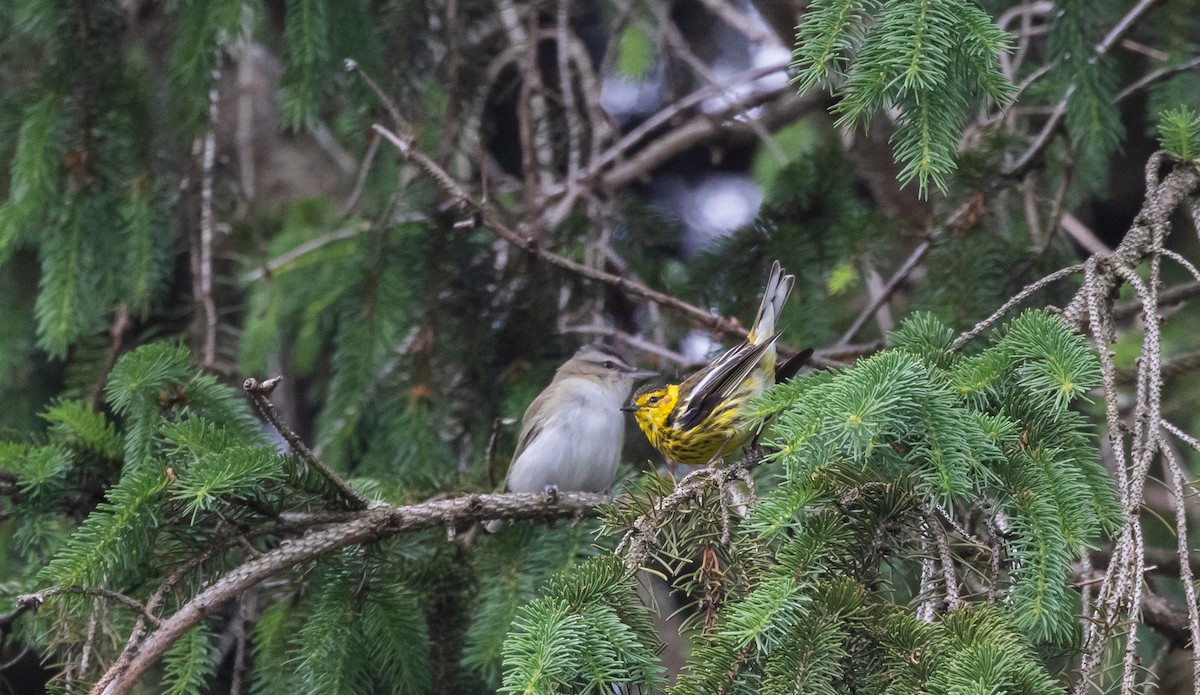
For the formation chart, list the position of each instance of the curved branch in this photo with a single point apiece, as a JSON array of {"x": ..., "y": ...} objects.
[
  {"x": 260, "y": 395},
  {"x": 367, "y": 527}
]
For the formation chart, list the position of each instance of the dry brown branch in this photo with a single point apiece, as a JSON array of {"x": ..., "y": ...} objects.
[
  {"x": 671, "y": 112},
  {"x": 918, "y": 254},
  {"x": 488, "y": 217},
  {"x": 291, "y": 256},
  {"x": 120, "y": 325},
  {"x": 360, "y": 181},
  {"x": 204, "y": 261},
  {"x": 678, "y": 44},
  {"x": 1182, "y": 550},
  {"x": 962, "y": 340},
  {"x": 31, "y": 602},
  {"x": 1166, "y": 298},
  {"x": 1123, "y": 591},
  {"x": 566, "y": 87},
  {"x": 636, "y": 342},
  {"x": 786, "y": 108},
  {"x": 1157, "y": 76},
  {"x": 260, "y": 395},
  {"x": 945, "y": 561}
]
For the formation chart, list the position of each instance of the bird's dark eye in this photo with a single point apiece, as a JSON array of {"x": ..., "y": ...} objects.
[
  {"x": 609, "y": 365},
  {"x": 652, "y": 400}
]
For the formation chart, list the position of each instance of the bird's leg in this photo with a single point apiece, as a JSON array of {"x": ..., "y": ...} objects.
[
  {"x": 757, "y": 436},
  {"x": 551, "y": 497},
  {"x": 671, "y": 467},
  {"x": 720, "y": 453}
]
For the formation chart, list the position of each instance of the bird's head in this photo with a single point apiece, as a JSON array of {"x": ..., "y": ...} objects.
[
  {"x": 602, "y": 365},
  {"x": 651, "y": 405}
]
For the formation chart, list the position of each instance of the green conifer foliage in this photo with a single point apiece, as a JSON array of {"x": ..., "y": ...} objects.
[
  {"x": 869, "y": 463},
  {"x": 1179, "y": 132},
  {"x": 414, "y": 212},
  {"x": 926, "y": 58}
]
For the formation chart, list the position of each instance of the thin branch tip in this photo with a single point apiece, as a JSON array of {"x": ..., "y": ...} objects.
[{"x": 264, "y": 388}]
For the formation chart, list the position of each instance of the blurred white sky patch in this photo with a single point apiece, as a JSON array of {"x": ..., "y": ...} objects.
[
  {"x": 711, "y": 204},
  {"x": 625, "y": 99},
  {"x": 698, "y": 345},
  {"x": 710, "y": 208}
]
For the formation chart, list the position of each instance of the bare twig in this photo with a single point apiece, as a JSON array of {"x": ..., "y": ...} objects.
[
  {"x": 260, "y": 395},
  {"x": 678, "y": 43},
  {"x": 120, "y": 325},
  {"x": 360, "y": 181},
  {"x": 292, "y": 255},
  {"x": 1184, "y": 552},
  {"x": 1183, "y": 436},
  {"x": 490, "y": 219},
  {"x": 945, "y": 560},
  {"x": 789, "y": 106},
  {"x": 635, "y": 341},
  {"x": 743, "y": 23},
  {"x": 1082, "y": 235},
  {"x": 1008, "y": 306},
  {"x": 671, "y": 112},
  {"x": 31, "y": 602},
  {"x": 1171, "y": 296},
  {"x": 204, "y": 264},
  {"x": 566, "y": 87},
  {"x": 1156, "y": 76},
  {"x": 884, "y": 294}
]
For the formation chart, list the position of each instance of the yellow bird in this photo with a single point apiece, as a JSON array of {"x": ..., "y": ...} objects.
[{"x": 700, "y": 420}]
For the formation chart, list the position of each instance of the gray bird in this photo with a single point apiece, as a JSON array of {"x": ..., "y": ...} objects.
[{"x": 571, "y": 434}]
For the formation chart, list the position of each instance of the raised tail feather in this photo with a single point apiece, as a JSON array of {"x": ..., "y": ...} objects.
[{"x": 779, "y": 286}]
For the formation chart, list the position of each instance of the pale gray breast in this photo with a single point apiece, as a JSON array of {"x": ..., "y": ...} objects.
[{"x": 578, "y": 448}]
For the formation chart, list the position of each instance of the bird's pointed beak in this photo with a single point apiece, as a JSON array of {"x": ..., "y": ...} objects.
[
  {"x": 630, "y": 408},
  {"x": 642, "y": 374}
]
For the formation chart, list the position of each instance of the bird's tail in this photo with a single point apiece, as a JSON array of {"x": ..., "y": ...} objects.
[{"x": 779, "y": 286}]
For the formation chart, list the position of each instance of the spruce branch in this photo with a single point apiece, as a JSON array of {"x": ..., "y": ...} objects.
[
  {"x": 639, "y": 541},
  {"x": 1022, "y": 163},
  {"x": 365, "y": 527},
  {"x": 260, "y": 395},
  {"x": 961, "y": 341}
]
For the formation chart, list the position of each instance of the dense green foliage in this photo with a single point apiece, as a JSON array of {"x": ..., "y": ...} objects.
[
  {"x": 820, "y": 575},
  {"x": 927, "y": 59},
  {"x": 923, "y": 516}
]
